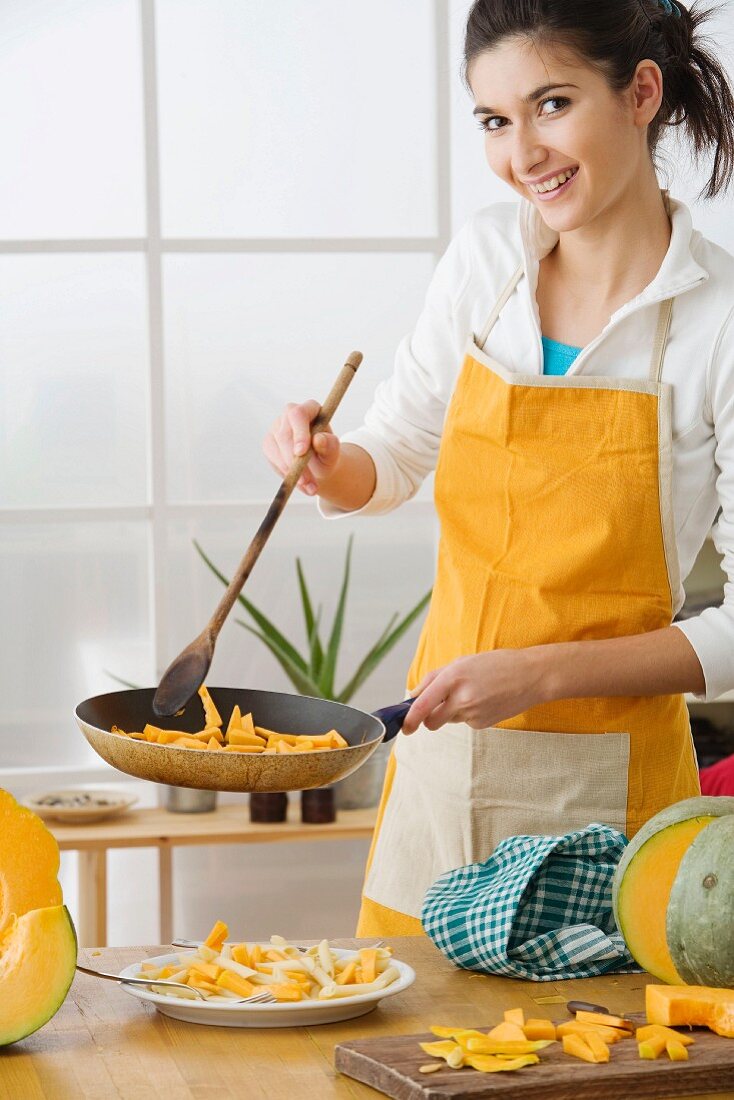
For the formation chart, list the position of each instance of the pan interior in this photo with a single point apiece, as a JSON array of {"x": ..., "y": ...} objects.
[{"x": 131, "y": 710}]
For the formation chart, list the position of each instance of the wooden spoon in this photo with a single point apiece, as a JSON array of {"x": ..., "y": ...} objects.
[{"x": 185, "y": 675}]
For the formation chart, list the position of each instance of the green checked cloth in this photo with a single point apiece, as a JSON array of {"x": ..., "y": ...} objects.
[{"x": 539, "y": 908}]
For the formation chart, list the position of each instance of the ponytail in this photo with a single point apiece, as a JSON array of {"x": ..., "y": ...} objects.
[{"x": 614, "y": 36}]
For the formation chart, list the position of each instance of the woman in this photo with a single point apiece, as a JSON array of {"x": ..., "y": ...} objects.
[{"x": 571, "y": 379}]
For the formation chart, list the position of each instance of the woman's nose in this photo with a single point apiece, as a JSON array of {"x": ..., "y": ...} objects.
[{"x": 528, "y": 155}]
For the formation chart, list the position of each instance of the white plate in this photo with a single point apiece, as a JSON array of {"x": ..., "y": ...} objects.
[
  {"x": 289, "y": 1014},
  {"x": 116, "y": 803}
]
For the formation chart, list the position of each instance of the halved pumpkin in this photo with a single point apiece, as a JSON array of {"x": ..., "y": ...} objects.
[
  {"x": 29, "y": 861},
  {"x": 665, "y": 890},
  {"x": 37, "y": 963}
]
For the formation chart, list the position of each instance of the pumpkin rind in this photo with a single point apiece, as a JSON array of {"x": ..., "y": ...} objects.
[{"x": 699, "y": 925}]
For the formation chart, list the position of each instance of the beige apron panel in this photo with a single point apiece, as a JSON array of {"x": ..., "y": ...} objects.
[{"x": 458, "y": 792}]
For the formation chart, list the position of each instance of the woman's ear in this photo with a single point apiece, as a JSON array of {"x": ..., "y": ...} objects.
[{"x": 647, "y": 92}]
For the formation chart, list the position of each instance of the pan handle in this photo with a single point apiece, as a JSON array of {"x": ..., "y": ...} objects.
[{"x": 393, "y": 717}]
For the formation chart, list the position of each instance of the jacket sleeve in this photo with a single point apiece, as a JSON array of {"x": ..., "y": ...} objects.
[
  {"x": 402, "y": 428},
  {"x": 712, "y": 632}
]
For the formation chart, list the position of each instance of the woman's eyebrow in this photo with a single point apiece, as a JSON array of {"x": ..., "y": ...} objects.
[{"x": 529, "y": 98}]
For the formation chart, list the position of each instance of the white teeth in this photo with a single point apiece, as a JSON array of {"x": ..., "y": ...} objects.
[{"x": 552, "y": 184}]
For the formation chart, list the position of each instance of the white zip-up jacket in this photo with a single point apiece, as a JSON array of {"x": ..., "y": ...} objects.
[{"x": 402, "y": 429}]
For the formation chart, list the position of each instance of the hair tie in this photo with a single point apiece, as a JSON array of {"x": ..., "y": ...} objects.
[{"x": 667, "y": 5}]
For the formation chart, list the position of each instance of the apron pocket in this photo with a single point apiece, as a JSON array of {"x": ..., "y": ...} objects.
[
  {"x": 458, "y": 792},
  {"x": 539, "y": 783}
]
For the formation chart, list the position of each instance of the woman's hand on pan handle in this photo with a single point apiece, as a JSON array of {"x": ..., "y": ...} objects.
[
  {"x": 491, "y": 687},
  {"x": 290, "y": 437},
  {"x": 481, "y": 690},
  {"x": 342, "y": 474}
]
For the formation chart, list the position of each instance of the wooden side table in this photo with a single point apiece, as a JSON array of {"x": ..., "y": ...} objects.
[{"x": 157, "y": 828}]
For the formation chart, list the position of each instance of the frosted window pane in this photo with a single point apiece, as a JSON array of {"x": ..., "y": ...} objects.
[
  {"x": 71, "y": 124},
  {"x": 392, "y": 568},
  {"x": 73, "y": 386},
  {"x": 297, "y": 119},
  {"x": 76, "y": 601},
  {"x": 245, "y": 334}
]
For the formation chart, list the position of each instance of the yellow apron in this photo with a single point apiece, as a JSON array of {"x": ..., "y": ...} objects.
[{"x": 554, "y": 498}]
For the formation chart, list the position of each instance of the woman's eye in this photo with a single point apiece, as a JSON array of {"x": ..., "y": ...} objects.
[
  {"x": 494, "y": 122},
  {"x": 556, "y": 104}
]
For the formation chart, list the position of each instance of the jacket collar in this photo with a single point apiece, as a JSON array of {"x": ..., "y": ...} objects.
[{"x": 678, "y": 272}]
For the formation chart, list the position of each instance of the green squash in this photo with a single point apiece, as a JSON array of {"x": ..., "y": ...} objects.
[
  {"x": 654, "y": 872},
  {"x": 700, "y": 920}
]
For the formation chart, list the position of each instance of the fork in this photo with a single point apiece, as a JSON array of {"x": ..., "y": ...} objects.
[
  {"x": 300, "y": 946},
  {"x": 257, "y": 998}
]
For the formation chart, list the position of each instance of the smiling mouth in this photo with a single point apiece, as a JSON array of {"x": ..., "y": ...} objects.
[{"x": 555, "y": 183}]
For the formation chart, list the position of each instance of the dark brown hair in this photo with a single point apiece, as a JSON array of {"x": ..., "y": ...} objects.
[{"x": 614, "y": 36}]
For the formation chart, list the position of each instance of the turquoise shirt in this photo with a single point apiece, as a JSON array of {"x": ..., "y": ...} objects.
[{"x": 557, "y": 358}]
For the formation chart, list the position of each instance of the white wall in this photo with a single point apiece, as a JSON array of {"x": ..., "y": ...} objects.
[{"x": 189, "y": 235}]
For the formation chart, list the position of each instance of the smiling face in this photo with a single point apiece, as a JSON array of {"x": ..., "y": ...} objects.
[{"x": 558, "y": 134}]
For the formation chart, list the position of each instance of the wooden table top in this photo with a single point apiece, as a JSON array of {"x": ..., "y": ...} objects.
[
  {"x": 229, "y": 824},
  {"x": 106, "y": 1044}
]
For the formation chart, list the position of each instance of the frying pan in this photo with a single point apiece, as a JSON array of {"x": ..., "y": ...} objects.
[{"x": 234, "y": 771}]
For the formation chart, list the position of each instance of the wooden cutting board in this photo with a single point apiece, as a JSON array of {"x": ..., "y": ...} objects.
[{"x": 391, "y": 1064}]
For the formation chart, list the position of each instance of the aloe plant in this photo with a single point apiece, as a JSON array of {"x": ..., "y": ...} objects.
[{"x": 314, "y": 672}]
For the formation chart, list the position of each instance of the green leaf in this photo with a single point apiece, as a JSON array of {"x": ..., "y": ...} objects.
[
  {"x": 326, "y": 678},
  {"x": 268, "y": 628},
  {"x": 312, "y": 630},
  {"x": 381, "y": 648},
  {"x": 315, "y": 649},
  {"x": 303, "y": 683}
]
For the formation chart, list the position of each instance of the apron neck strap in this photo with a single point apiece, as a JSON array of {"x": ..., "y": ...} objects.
[
  {"x": 512, "y": 283},
  {"x": 661, "y": 332},
  {"x": 661, "y": 338}
]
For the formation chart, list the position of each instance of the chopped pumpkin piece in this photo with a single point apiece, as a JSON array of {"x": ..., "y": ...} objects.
[
  {"x": 235, "y": 720},
  {"x": 597, "y": 1045},
  {"x": 603, "y": 1018},
  {"x": 217, "y": 936},
  {"x": 347, "y": 974},
  {"x": 676, "y": 1051},
  {"x": 368, "y": 958},
  {"x": 485, "y": 1063},
  {"x": 539, "y": 1029},
  {"x": 286, "y": 991},
  {"x": 460, "y": 1034},
  {"x": 197, "y": 982},
  {"x": 608, "y": 1034},
  {"x": 235, "y": 984},
  {"x": 486, "y": 1045},
  {"x": 652, "y": 1047},
  {"x": 212, "y": 716},
  {"x": 514, "y": 1016},
  {"x": 208, "y": 970},
  {"x": 507, "y": 1030},
  {"x": 240, "y": 954},
  {"x": 247, "y": 724},
  {"x": 647, "y": 1030},
  {"x": 441, "y": 1049},
  {"x": 579, "y": 1048}
]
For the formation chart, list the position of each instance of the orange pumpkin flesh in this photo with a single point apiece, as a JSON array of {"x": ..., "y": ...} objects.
[
  {"x": 37, "y": 964},
  {"x": 29, "y": 861},
  {"x": 691, "y": 1004},
  {"x": 645, "y": 892}
]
